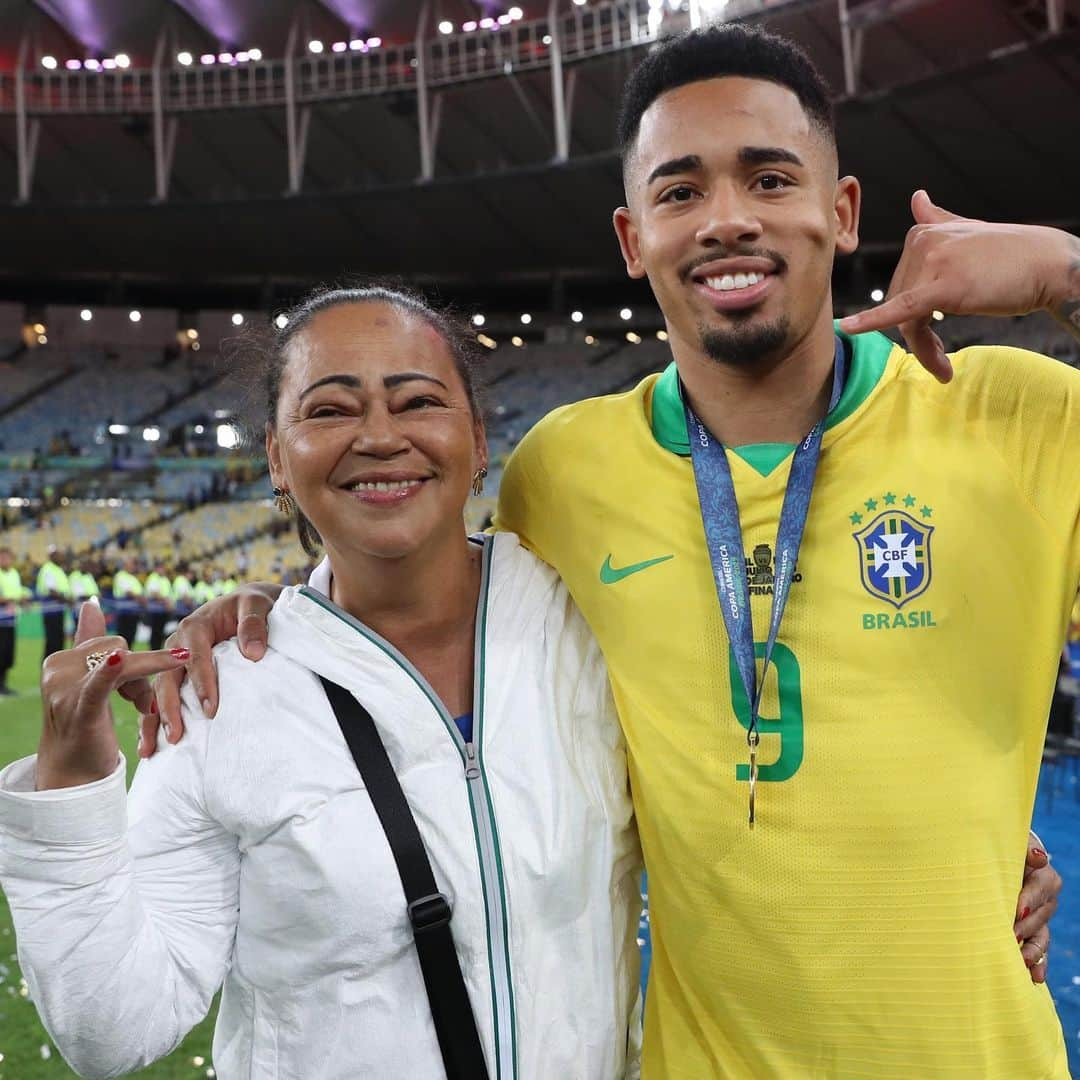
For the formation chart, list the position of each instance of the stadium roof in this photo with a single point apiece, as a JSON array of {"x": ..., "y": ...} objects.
[{"x": 967, "y": 97}]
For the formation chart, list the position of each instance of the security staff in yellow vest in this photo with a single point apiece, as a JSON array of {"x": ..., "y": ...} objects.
[
  {"x": 157, "y": 594},
  {"x": 53, "y": 594},
  {"x": 183, "y": 594},
  {"x": 202, "y": 590},
  {"x": 11, "y": 592},
  {"x": 127, "y": 599},
  {"x": 81, "y": 584}
]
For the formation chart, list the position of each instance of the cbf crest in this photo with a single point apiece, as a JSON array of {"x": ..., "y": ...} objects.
[{"x": 894, "y": 555}]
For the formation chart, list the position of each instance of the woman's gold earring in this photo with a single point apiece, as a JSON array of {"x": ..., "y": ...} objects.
[
  {"x": 478, "y": 480},
  {"x": 283, "y": 500}
]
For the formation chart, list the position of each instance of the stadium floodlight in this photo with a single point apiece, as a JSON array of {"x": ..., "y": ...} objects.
[
  {"x": 478, "y": 320},
  {"x": 228, "y": 438},
  {"x": 516, "y": 13},
  {"x": 199, "y": 429},
  {"x": 119, "y": 429},
  {"x": 446, "y": 27},
  {"x": 86, "y": 314},
  {"x": 184, "y": 58},
  {"x": 225, "y": 58},
  {"x": 374, "y": 42},
  {"x": 938, "y": 315},
  {"x": 39, "y": 328},
  {"x": 122, "y": 60},
  {"x": 504, "y": 20},
  {"x": 576, "y": 316},
  {"x": 315, "y": 46},
  {"x": 237, "y": 319},
  {"x": 589, "y": 339},
  {"x": 135, "y": 316},
  {"x": 469, "y": 26},
  {"x": 516, "y": 341},
  {"x": 488, "y": 23},
  {"x": 281, "y": 322},
  {"x": 877, "y": 295},
  {"x": 243, "y": 57},
  {"x": 92, "y": 64},
  {"x": 192, "y": 333},
  {"x": 626, "y": 314},
  {"x": 339, "y": 46},
  {"x": 109, "y": 64},
  {"x": 255, "y": 54},
  {"x": 526, "y": 318},
  {"x": 633, "y": 338},
  {"x": 73, "y": 65},
  {"x": 42, "y": 339},
  {"x": 661, "y": 335},
  {"x": 580, "y": 3},
  {"x": 546, "y": 39},
  {"x": 208, "y": 58},
  {"x": 49, "y": 62},
  {"x": 151, "y": 434},
  {"x": 487, "y": 342}
]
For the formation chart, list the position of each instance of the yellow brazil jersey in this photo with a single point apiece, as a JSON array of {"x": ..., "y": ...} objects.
[{"x": 864, "y": 928}]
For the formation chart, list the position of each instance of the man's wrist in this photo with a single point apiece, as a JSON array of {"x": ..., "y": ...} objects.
[{"x": 1064, "y": 292}]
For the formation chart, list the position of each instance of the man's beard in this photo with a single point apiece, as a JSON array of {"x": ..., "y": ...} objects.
[{"x": 745, "y": 346}]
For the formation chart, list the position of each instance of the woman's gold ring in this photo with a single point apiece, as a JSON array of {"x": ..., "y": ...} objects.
[{"x": 94, "y": 660}]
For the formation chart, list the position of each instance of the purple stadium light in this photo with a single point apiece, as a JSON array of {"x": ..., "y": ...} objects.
[
  {"x": 208, "y": 58},
  {"x": 92, "y": 64},
  {"x": 242, "y": 57},
  {"x": 73, "y": 65},
  {"x": 469, "y": 26},
  {"x": 374, "y": 42},
  {"x": 225, "y": 58},
  {"x": 488, "y": 23},
  {"x": 339, "y": 46},
  {"x": 505, "y": 20},
  {"x": 108, "y": 63}
]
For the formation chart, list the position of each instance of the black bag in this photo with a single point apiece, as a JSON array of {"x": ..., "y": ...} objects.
[{"x": 429, "y": 910}]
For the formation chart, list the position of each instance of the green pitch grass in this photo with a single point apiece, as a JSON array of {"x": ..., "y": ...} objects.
[{"x": 26, "y": 1051}]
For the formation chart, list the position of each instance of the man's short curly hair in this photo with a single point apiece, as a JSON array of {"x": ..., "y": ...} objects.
[{"x": 712, "y": 53}]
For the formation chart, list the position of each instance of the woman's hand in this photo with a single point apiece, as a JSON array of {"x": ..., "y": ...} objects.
[
  {"x": 1035, "y": 907},
  {"x": 243, "y": 613},
  {"x": 78, "y": 739}
]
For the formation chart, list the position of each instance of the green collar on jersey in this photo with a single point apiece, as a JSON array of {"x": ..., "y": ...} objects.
[{"x": 869, "y": 353}]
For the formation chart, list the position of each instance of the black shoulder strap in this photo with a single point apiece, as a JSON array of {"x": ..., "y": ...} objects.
[{"x": 429, "y": 910}]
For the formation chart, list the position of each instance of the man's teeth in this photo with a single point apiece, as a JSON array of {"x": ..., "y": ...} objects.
[
  {"x": 384, "y": 485},
  {"x": 733, "y": 281}
]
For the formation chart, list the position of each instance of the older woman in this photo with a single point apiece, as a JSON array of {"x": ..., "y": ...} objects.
[{"x": 252, "y": 853}]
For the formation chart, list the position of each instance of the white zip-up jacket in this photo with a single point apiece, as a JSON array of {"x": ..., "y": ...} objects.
[{"x": 250, "y": 853}]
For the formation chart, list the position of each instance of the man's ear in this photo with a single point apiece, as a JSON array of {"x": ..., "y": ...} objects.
[
  {"x": 847, "y": 204},
  {"x": 626, "y": 231}
]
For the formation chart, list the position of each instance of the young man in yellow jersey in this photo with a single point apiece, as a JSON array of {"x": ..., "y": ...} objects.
[
  {"x": 861, "y": 926},
  {"x": 865, "y": 925}
]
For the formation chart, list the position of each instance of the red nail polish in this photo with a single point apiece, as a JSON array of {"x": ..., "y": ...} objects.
[
  {"x": 114, "y": 658},
  {"x": 180, "y": 654},
  {"x": 1038, "y": 851},
  {"x": 1025, "y": 913},
  {"x": 153, "y": 707}
]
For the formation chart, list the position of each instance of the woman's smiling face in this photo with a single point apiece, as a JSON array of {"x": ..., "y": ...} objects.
[{"x": 375, "y": 436}]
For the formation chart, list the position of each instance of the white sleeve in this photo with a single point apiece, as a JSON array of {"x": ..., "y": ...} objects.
[{"x": 125, "y": 911}]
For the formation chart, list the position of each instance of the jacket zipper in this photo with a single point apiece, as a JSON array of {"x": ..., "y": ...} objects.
[{"x": 485, "y": 830}]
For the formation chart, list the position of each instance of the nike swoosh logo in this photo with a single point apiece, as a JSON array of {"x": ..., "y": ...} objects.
[{"x": 609, "y": 574}]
